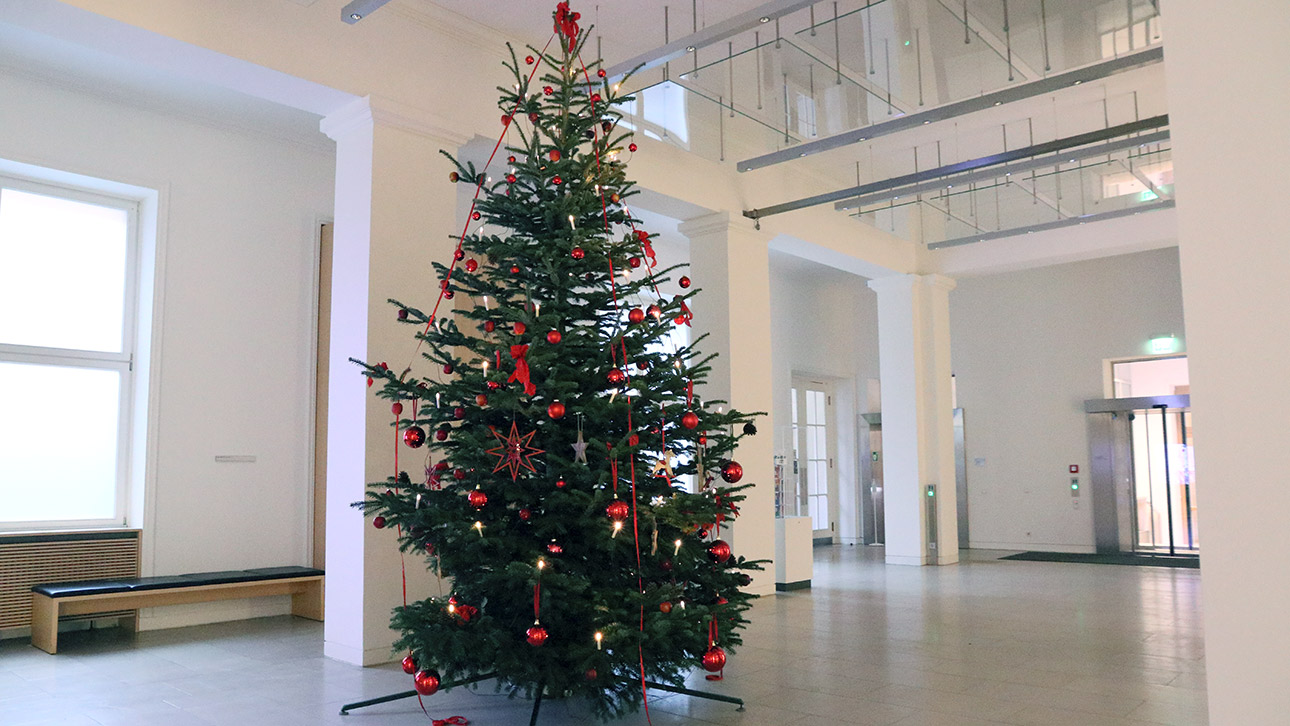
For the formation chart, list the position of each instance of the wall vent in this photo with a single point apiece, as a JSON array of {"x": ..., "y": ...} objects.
[{"x": 34, "y": 558}]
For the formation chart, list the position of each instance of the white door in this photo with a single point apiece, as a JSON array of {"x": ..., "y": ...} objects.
[{"x": 813, "y": 454}]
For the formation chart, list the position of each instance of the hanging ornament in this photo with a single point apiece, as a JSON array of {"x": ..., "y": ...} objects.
[
  {"x": 528, "y": 59},
  {"x": 750, "y": 429},
  {"x": 618, "y": 510},
  {"x": 631, "y": 147},
  {"x": 554, "y": 548},
  {"x": 714, "y": 659},
  {"x": 577, "y": 253},
  {"x": 732, "y": 472},
  {"x": 719, "y": 552},
  {"x": 409, "y": 664},
  {"x": 548, "y": 91},
  {"x": 654, "y": 311},
  {"x": 441, "y": 434},
  {"x": 519, "y": 328},
  {"x": 616, "y": 377},
  {"x": 426, "y": 682},
  {"x": 379, "y": 522},
  {"x": 397, "y": 408},
  {"x": 477, "y": 498},
  {"x": 553, "y": 337},
  {"x": 555, "y": 410},
  {"x": 514, "y": 452},
  {"x": 459, "y": 413},
  {"x": 690, "y": 420},
  {"x": 636, "y": 315},
  {"x": 510, "y": 178},
  {"x": 634, "y": 262},
  {"x": 555, "y": 154},
  {"x": 580, "y": 446},
  {"x": 664, "y": 463},
  {"x": 454, "y": 177},
  {"x": 537, "y": 635},
  {"x": 665, "y": 607},
  {"x": 591, "y": 672},
  {"x": 556, "y": 180},
  {"x": 481, "y": 400},
  {"x": 560, "y": 483},
  {"x": 506, "y": 119},
  {"x": 403, "y": 314},
  {"x": 684, "y": 282},
  {"x": 414, "y": 437},
  {"x": 471, "y": 265},
  {"x": 525, "y": 515}
]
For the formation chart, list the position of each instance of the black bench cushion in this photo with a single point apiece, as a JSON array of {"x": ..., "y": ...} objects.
[{"x": 99, "y": 587}]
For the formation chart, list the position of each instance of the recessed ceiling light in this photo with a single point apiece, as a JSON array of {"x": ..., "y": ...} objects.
[
  {"x": 926, "y": 122},
  {"x": 998, "y": 103},
  {"x": 802, "y": 154},
  {"x": 1076, "y": 83},
  {"x": 689, "y": 49},
  {"x": 764, "y": 19},
  {"x": 355, "y": 16}
]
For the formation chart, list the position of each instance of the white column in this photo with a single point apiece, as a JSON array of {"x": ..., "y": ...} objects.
[
  {"x": 730, "y": 263},
  {"x": 917, "y": 418},
  {"x": 1235, "y": 262},
  {"x": 394, "y": 211}
]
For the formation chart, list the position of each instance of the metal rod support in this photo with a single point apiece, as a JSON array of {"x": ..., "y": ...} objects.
[
  {"x": 344, "y": 710},
  {"x": 697, "y": 694}
]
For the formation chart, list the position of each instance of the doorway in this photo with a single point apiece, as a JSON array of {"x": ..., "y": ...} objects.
[{"x": 814, "y": 442}]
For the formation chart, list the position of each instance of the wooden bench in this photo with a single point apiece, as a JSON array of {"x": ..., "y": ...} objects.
[{"x": 50, "y": 601}]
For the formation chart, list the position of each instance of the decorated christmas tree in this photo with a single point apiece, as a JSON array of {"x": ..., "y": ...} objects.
[{"x": 575, "y": 486}]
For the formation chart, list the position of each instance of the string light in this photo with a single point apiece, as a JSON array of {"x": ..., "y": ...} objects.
[
  {"x": 436, "y": 399},
  {"x": 485, "y": 366},
  {"x": 452, "y": 608},
  {"x": 541, "y": 564},
  {"x": 677, "y": 551},
  {"x": 618, "y": 527},
  {"x": 537, "y": 309},
  {"x": 479, "y": 527},
  {"x": 571, "y": 224},
  {"x": 599, "y": 637}
]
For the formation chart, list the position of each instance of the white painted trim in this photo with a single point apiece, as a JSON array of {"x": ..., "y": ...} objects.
[{"x": 375, "y": 110}]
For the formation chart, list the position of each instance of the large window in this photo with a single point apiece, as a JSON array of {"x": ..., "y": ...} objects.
[{"x": 67, "y": 296}]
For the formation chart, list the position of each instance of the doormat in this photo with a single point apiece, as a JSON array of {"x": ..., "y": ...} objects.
[{"x": 1191, "y": 562}]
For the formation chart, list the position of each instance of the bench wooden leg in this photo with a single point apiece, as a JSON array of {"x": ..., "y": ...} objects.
[
  {"x": 309, "y": 602},
  {"x": 44, "y": 622}
]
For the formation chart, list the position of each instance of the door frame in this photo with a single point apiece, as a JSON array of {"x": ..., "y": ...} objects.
[{"x": 801, "y": 381}]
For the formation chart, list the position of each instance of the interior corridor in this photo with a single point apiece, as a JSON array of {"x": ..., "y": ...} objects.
[{"x": 982, "y": 642}]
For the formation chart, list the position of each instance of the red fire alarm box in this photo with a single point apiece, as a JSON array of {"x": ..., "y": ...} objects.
[{"x": 1074, "y": 468}]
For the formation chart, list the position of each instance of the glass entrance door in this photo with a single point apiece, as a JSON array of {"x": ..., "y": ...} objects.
[
  {"x": 1164, "y": 484},
  {"x": 812, "y": 410}
]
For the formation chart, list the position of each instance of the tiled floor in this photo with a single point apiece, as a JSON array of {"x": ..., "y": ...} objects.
[{"x": 984, "y": 642}]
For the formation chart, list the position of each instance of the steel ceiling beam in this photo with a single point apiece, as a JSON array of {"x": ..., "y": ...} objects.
[
  {"x": 895, "y": 192},
  {"x": 1048, "y": 147},
  {"x": 712, "y": 34},
  {"x": 1055, "y": 224},
  {"x": 1019, "y": 92},
  {"x": 359, "y": 9}
]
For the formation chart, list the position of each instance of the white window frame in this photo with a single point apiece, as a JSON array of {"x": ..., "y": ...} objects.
[{"x": 122, "y": 362}]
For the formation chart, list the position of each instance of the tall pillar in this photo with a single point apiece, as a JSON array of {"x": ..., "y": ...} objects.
[
  {"x": 917, "y": 419},
  {"x": 731, "y": 264},
  {"x": 393, "y": 212},
  {"x": 1235, "y": 262}
]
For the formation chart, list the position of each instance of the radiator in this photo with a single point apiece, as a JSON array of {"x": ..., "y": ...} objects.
[{"x": 33, "y": 559}]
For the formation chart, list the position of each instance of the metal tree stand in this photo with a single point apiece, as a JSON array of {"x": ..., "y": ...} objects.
[{"x": 537, "y": 700}]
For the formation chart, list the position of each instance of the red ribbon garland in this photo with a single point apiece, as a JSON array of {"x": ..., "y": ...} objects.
[{"x": 521, "y": 374}]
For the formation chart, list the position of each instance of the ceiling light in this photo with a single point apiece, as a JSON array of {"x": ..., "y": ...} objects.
[
  {"x": 356, "y": 10},
  {"x": 764, "y": 19},
  {"x": 1076, "y": 83},
  {"x": 802, "y": 154},
  {"x": 998, "y": 103},
  {"x": 689, "y": 49},
  {"x": 926, "y": 122},
  {"x": 355, "y": 16}
]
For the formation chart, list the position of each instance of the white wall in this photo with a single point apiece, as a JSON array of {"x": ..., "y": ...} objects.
[
  {"x": 824, "y": 322},
  {"x": 1027, "y": 351},
  {"x": 233, "y": 353}
]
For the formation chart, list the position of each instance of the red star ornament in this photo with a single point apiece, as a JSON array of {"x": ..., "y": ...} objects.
[{"x": 515, "y": 451}]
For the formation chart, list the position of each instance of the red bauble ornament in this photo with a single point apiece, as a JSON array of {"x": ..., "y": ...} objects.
[
  {"x": 471, "y": 265},
  {"x": 616, "y": 377},
  {"x": 732, "y": 472},
  {"x": 559, "y": 483},
  {"x": 555, "y": 410},
  {"x": 634, "y": 262},
  {"x": 642, "y": 364},
  {"x": 525, "y": 515},
  {"x": 494, "y": 385},
  {"x": 528, "y": 59},
  {"x": 536, "y": 636},
  {"x": 591, "y": 672},
  {"x": 553, "y": 337},
  {"x": 510, "y": 178},
  {"x": 515, "y": 270},
  {"x": 684, "y": 281},
  {"x": 703, "y": 440},
  {"x": 595, "y": 98},
  {"x": 489, "y": 326},
  {"x": 633, "y": 440},
  {"x": 618, "y": 510},
  {"x": 577, "y": 253},
  {"x": 719, "y": 551},
  {"x": 459, "y": 474},
  {"x": 476, "y": 216},
  {"x": 519, "y": 328},
  {"x": 714, "y": 659},
  {"x": 447, "y": 294},
  {"x": 510, "y": 159},
  {"x": 601, "y": 73},
  {"x": 554, "y": 548},
  {"x": 690, "y": 420},
  {"x": 614, "y": 197},
  {"x": 379, "y": 522},
  {"x": 478, "y": 499},
  {"x": 459, "y": 413},
  {"x": 415, "y": 436},
  {"x": 441, "y": 466},
  {"x": 654, "y": 311},
  {"x": 441, "y": 434},
  {"x": 459, "y": 255},
  {"x": 427, "y": 682},
  {"x": 556, "y": 180},
  {"x": 631, "y": 147},
  {"x": 555, "y": 154},
  {"x": 409, "y": 665},
  {"x": 403, "y": 314},
  {"x": 533, "y": 118},
  {"x": 447, "y": 368},
  {"x": 454, "y": 177},
  {"x": 481, "y": 400},
  {"x": 548, "y": 90},
  {"x": 636, "y": 315},
  {"x": 665, "y": 607},
  {"x": 506, "y": 119},
  {"x": 397, "y": 408}
]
